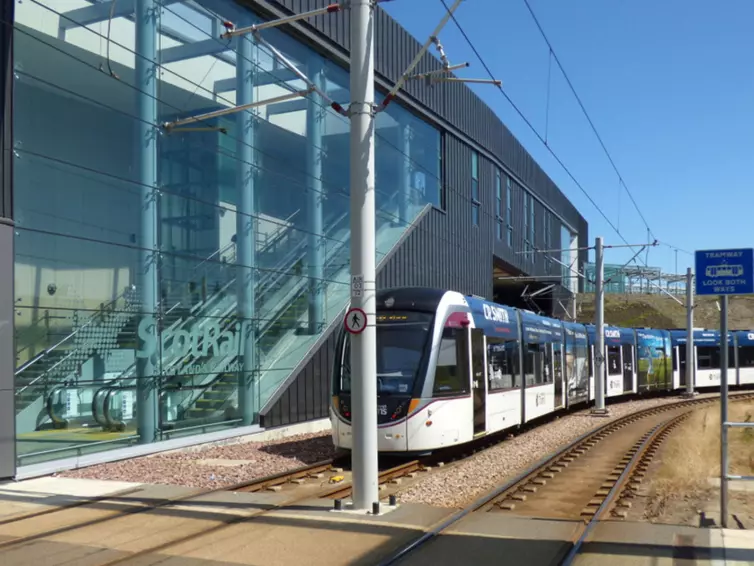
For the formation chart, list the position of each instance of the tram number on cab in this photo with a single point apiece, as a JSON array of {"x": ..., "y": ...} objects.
[
  {"x": 382, "y": 409},
  {"x": 539, "y": 399}
]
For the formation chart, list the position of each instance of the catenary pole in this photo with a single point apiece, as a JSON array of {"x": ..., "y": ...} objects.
[
  {"x": 599, "y": 331},
  {"x": 690, "y": 361},
  {"x": 363, "y": 345}
]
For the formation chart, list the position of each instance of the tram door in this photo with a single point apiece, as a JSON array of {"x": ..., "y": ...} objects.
[
  {"x": 628, "y": 367},
  {"x": 558, "y": 374},
  {"x": 479, "y": 380}
]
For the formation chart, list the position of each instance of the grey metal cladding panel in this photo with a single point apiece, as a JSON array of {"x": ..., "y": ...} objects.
[{"x": 308, "y": 396}]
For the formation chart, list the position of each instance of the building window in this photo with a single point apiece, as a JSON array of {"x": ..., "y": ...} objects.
[
  {"x": 475, "y": 203},
  {"x": 499, "y": 204},
  {"x": 509, "y": 210}
]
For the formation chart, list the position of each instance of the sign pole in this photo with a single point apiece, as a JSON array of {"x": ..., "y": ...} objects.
[
  {"x": 363, "y": 276},
  {"x": 724, "y": 273},
  {"x": 690, "y": 358},
  {"x": 724, "y": 411}
]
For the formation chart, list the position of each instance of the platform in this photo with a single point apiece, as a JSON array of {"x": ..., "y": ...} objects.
[{"x": 85, "y": 522}]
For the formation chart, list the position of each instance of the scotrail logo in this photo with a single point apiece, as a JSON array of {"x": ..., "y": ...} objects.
[{"x": 209, "y": 340}]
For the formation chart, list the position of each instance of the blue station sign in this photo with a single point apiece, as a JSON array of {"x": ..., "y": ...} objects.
[{"x": 725, "y": 272}]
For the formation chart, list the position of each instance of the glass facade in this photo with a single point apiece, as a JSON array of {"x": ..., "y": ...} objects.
[{"x": 168, "y": 280}]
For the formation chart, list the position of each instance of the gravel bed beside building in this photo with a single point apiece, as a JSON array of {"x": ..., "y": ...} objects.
[
  {"x": 460, "y": 484},
  {"x": 216, "y": 466}
]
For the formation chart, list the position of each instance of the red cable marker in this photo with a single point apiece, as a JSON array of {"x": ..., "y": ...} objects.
[{"x": 355, "y": 320}]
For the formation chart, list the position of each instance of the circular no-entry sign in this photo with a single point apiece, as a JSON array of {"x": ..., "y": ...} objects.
[{"x": 356, "y": 320}]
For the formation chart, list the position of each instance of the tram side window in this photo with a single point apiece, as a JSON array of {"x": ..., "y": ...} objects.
[
  {"x": 581, "y": 361},
  {"x": 345, "y": 374},
  {"x": 746, "y": 357},
  {"x": 451, "y": 374},
  {"x": 536, "y": 365},
  {"x": 613, "y": 360},
  {"x": 708, "y": 357},
  {"x": 503, "y": 366},
  {"x": 704, "y": 358},
  {"x": 547, "y": 376}
]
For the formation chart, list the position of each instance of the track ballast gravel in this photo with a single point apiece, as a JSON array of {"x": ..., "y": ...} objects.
[
  {"x": 217, "y": 466},
  {"x": 458, "y": 485}
]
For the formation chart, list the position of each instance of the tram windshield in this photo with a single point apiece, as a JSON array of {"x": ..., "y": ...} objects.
[{"x": 401, "y": 341}]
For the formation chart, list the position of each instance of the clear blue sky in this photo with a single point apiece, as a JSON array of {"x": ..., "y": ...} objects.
[{"x": 669, "y": 85}]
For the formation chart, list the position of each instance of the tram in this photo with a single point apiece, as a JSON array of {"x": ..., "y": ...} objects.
[{"x": 454, "y": 367}]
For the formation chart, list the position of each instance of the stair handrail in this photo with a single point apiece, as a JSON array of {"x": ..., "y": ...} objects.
[
  {"x": 268, "y": 322},
  {"x": 271, "y": 321},
  {"x": 273, "y": 275},
  {"x": 280, "y": 274},
  {"x": 281, "y": 230},
  {"x": 217, "y": 252},
  {"x": 91, "y": 319},
  {"x": 60, "y": 361}
]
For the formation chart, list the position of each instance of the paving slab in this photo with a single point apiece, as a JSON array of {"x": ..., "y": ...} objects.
[
  {"x": 486, "y": 538},
  {"x": 646, "y": 544},
  {"x": 40, "y": 494},
  {"x": 272, "y": 529},
  {"x": 308, "y": 533},
  {"x": 87, "y": 512}
]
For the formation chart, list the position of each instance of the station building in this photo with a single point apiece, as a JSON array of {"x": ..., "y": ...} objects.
[{"x": 161, "y": 287}]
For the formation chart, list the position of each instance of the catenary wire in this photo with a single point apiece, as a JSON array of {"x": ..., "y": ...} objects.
[
  {"x": 586, "y": 114},
  {"x": 533, "y": 129}
]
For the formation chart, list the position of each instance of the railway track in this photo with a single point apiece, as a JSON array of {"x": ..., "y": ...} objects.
[
  {"x": 326, "y": 479},
  {"x": 610, "y": 485},
  {"x": 591, "y": 479}
]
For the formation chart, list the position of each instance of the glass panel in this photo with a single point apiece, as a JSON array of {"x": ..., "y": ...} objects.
[
  {"x": 613, "y": 360},
  {"x": 452, "y": 372},
  {"x": 708, "y": 357},
  {"x": 503, "y": 362},
  {"x": 746, "y": 356},
  {"x": 205, "y": 276}
]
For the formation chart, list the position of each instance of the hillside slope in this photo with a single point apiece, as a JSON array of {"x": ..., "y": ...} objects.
[{"x": 660, "y": 311}]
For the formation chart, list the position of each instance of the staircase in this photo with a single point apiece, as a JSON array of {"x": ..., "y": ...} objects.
[
  {"x": 281, "y": 316},
  {"x": 98, "y": 333}
]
